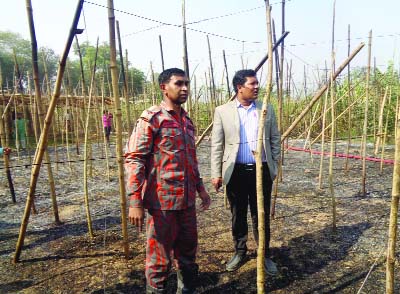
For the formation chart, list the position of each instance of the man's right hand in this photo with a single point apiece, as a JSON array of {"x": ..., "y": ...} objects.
[
  {"x": 136, "y": 217},
  {"x": 217, "y": 183}
]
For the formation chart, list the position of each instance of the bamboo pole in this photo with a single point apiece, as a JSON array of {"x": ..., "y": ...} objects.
[
  {"x": 365, "y": 127},
  {"x": 378, "y": 138},
  {"x": 227, "y": 76},
  {"x": 46, "y": 128},
  {"x": 319, "y": 93},
  {"x": 48, "y": 91},
  {"x": 86, "y": 147},
  {"x": 185, "y": 56},
  {"x": 259, "y": 167},
  {"x": 119, "y": 154},
  {"x": 162, "y": 53},
  {"x": 41, "y": 114},
  {"x": 104, "y": 134},
  {"x": 333, "y": 127},
  {"x": 125, "y": 83},
  {"x": 132, "y": 93},
  {"x": 5, "y": 156},
  {"x": 346, "y": 164},
  {"x": 394, "y": 210},
  {"x": 384, "y": 141},
  {"x": 212, "y": 81}
]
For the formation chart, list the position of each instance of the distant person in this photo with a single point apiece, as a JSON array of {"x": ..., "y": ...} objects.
[
  {"x": 111, "y": 120},
  {"x": 234, "y": 139},
  {"x": 68, "y": 119},
  {"x": 106, "y": 126},
  {"x": 5, "y": 150},
  {"x": 163, "y": 177},
  {"x": 21, "y": 129}
]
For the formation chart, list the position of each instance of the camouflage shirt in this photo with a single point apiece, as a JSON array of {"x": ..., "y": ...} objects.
[{"x": 161, "y": 163}]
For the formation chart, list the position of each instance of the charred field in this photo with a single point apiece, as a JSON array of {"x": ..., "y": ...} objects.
[{"x": 312, "y": 258}]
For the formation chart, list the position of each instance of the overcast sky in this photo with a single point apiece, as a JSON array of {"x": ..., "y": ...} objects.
[{"x": 240, "y": 29}]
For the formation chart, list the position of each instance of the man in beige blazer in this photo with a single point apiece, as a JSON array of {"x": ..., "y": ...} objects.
[{"x": 234, "y": 138}]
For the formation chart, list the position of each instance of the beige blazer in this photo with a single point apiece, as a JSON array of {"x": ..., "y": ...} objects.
[{"x": 226, "y": 138}]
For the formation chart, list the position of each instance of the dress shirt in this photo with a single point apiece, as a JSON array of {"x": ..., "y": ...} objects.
[{"x": 248, "y": 133}]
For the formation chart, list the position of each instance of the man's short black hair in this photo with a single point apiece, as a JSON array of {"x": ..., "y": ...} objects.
[
  {"x": 166, "y": 75},
  {"x": 241, "y": 77}
]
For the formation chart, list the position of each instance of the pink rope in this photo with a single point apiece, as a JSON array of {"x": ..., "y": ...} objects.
[{"x": 358, "y": 157}]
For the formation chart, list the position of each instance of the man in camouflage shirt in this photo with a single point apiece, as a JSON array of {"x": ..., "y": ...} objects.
[{"x": 163, "y": 177}]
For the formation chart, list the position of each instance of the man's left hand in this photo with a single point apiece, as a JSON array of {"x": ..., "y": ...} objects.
[{"x": 205, "y": 200}]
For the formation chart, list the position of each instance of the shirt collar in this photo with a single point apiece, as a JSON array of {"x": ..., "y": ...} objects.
[
  {"x": 239, "y": 105},
  {"x": 169, "y": 109}
]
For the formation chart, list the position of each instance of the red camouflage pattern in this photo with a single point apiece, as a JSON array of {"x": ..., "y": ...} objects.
[{"x": 161, "y": 163}]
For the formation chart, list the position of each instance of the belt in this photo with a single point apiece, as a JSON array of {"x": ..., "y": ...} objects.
[{"x": 247, "y": 166}]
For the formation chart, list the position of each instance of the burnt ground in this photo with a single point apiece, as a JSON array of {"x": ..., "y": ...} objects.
[{"x": 311, "y": 257}]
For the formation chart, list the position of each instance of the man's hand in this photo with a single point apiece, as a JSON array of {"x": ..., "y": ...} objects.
[
  {"x": 205, "y": 200},
  {"x": 136, "y": 217},
  {"x": 217, "y": 183}
]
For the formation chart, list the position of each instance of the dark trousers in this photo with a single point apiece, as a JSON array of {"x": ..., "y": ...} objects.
[{"x": 241, "y": 192}]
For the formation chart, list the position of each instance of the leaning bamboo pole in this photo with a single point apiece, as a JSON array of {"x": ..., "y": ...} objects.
[
  {"x": 40, "y": 150},
  {"x": 394, "y": 210},
  {"x": 259, "y": 167},
  {"x": 257, "y": 68},
  {"x": 365, "y": 127},
  {"x": 322, "y": 148},
  {"x": 319, "y": 93},
  {"x": 41, "y": 114},
  {"x": 161, "y": 52},
  {"x": 119, "y": 152}
]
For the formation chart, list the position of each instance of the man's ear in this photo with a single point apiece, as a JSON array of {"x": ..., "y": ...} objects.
[{"x": 162, "y": 87}]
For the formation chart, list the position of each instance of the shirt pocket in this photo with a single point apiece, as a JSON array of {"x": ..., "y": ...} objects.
[{"x": 171, "y": 138}]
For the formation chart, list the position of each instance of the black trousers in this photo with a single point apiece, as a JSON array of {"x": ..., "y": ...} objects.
[{"x": 241, "y": 192}]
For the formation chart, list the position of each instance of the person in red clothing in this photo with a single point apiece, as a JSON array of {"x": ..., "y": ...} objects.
[{"x": 163, "y": 177}]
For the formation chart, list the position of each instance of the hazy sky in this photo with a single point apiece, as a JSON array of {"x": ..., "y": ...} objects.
[{"x": 308, "y": 44}]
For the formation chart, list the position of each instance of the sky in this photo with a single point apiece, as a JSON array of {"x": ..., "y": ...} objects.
[{"x": 238, "y": 27}]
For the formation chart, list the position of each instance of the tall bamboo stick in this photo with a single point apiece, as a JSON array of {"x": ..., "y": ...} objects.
[
  {"x": 161, "y": 52},
  {"x": 119, "y": 154},
  {"x": 212, "y": 81},
  {"x": 227, "y": 76},
  {"x": 41, "y": 114},
  {"x": 185, "y": 55},
  {"x": 125, "y": 83},
  {"x": 394, "y": 210},
  {"x": 5, "y": 156},
  {"x": 346, "y": 164},
  {"x": 86, "y": 146},
  {"x": 46, "y": 128},
  {"x": 365, "y": 128},
  {"x": 379, "y": 138},
  {"x": 259, "y": 167},
  {"x": 333, "y": 123}
]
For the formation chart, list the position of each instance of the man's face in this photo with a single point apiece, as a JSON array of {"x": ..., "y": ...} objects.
[
  {"x": 176, "y": 89},
  {"x": 249, "y": 90}
]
